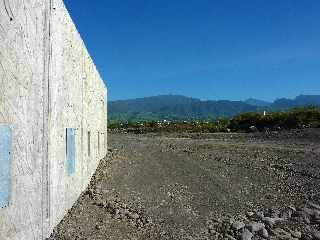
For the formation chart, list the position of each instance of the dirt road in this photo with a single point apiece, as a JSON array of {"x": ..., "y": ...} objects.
[{"x": 169, "y": 186}]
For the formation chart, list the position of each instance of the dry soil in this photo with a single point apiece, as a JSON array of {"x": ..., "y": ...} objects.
[{"x": 170, "y": 186}]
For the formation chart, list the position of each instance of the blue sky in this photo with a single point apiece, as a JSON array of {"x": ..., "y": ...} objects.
[{"x": 209, "y": 49}]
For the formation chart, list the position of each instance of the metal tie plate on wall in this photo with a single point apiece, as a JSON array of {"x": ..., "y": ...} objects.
[
  {"x": 71, "y": 151},
  {"x": 5, "y": 165}
]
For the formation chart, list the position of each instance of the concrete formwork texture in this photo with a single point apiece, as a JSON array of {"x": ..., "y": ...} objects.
[{"x": 53, "y": 128}]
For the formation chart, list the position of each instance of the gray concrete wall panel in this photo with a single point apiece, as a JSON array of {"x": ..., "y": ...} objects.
[{"x": 48, "y": 84}]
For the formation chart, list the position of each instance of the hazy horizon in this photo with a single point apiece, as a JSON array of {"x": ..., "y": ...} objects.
[{"x": 204, "y": 99}]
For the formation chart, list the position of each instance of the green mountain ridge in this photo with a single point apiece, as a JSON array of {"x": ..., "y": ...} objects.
[
  {"x": 177, "y": 107},
  {"x": 257, "y": 102}
]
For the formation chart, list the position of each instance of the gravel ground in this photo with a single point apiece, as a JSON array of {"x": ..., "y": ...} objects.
[{"x": 202, "y": 186}]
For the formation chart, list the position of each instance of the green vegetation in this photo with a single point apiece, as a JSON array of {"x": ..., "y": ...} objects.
[
  {"x": 295, "y": 118},
  {"x": 244, "y": 122},
  {"x": 179, "y": 108}
]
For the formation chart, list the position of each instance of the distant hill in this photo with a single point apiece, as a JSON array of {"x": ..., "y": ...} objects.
[
  {"x": 299, "y": 101},
  {"x": 176, "y": 107},
  {"x": 257, "y": 102}
]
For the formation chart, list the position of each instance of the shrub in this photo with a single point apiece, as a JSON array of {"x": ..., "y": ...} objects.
[{"x": 295, "y": 118}]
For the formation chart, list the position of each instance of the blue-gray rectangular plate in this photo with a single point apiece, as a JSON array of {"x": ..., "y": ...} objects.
[
  {"x": 5, "y": 165},
  {"x": 71, "y": 151}
]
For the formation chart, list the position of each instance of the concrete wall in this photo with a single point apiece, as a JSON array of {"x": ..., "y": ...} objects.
[{"x": 48, "y": 84}]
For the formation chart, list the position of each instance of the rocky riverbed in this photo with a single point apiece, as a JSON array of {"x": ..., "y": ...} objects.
[{"x": 202, "y": 186}]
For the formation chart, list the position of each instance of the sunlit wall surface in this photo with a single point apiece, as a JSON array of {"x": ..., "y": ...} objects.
[{"x": 51, "y": 98}]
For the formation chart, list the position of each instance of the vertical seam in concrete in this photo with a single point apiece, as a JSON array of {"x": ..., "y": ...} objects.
[
  {"x": 46, "y": 118},
  {"x": 49, "y": 118}
]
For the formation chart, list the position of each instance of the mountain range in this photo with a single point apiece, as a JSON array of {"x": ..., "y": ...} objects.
[{"x": 177, "y": 107}]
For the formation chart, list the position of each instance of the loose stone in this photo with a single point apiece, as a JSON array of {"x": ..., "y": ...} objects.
[
  {"x": 246, "y": 235},
  {"x": 237, "y": 225}
]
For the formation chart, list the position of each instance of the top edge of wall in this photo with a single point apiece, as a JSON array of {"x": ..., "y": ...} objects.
[{"x": 81, "y": 39}]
